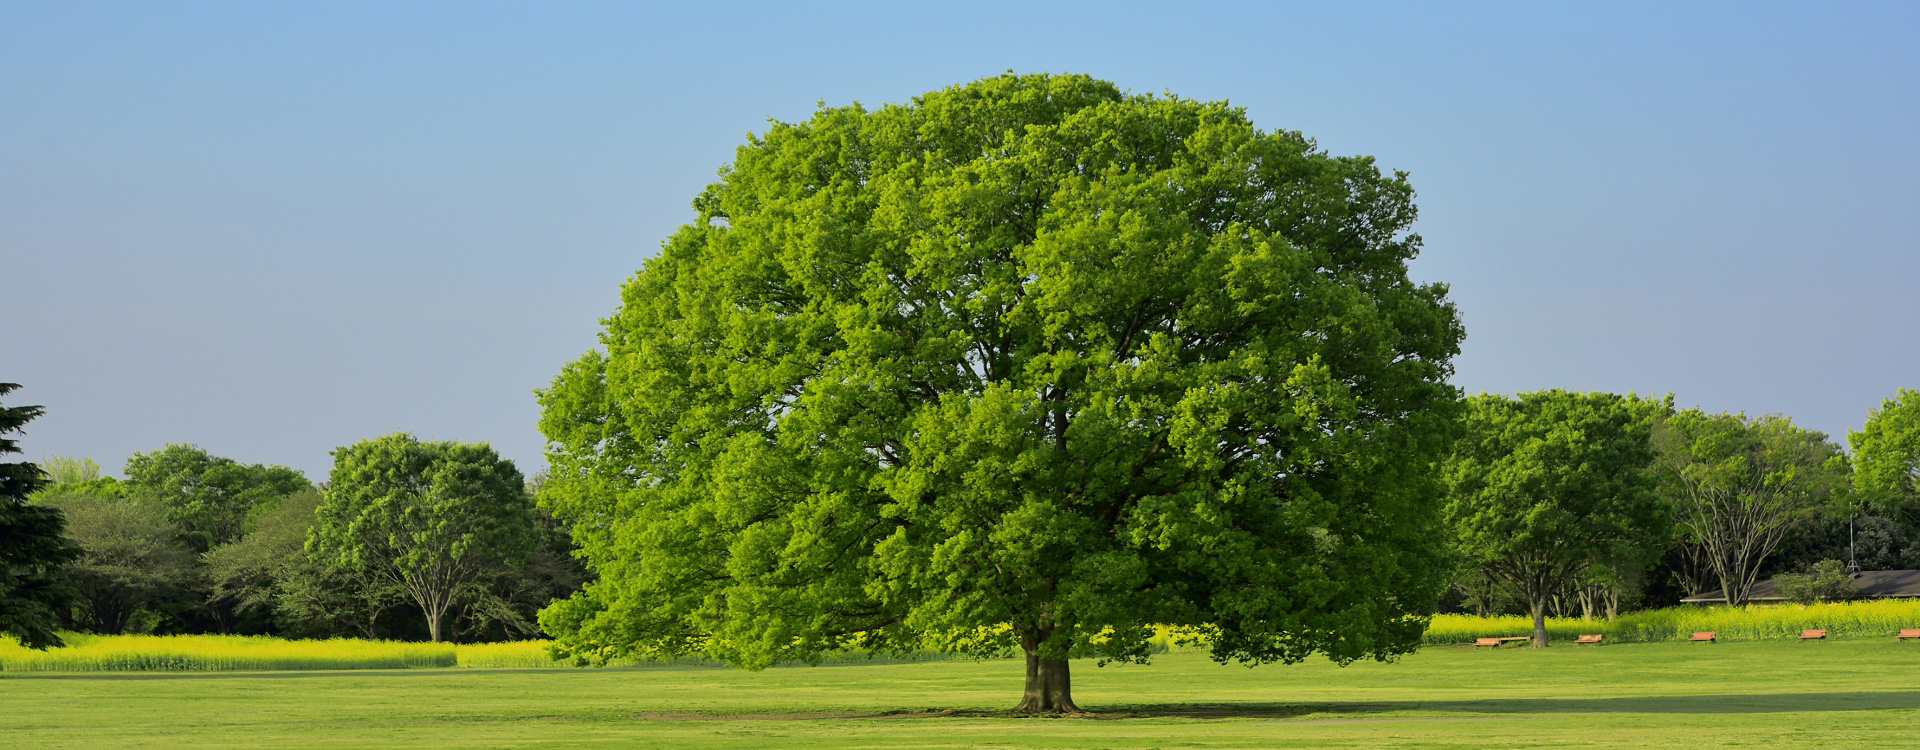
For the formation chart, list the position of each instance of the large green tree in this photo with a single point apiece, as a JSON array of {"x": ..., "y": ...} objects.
[
  {"x": 33, "y": 542},
  {"x": 432, "y": 519},
  {"x": 207, "y": 496},
  {"x": 1739, "y": 485},
  {"x": 1550, "y": 486},
  {"x": 1029, "y": 363}
]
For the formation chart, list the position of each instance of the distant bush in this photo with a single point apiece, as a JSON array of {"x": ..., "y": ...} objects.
[
  {"x": 1858, "y": 619},
  {"x": 1827, "y": 581}
]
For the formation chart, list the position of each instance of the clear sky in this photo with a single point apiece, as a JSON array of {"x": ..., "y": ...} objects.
[{"x": 271, "y": 229}]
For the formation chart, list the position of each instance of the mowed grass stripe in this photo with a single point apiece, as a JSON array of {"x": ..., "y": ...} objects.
[{"x": 1789, "y": 694}]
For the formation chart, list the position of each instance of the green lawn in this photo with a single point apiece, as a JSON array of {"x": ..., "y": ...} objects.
[{"x": 1859, "y": 693}]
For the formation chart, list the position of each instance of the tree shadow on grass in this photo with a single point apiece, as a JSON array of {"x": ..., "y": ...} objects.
[
  {"x": 1640, "y": 704},
  {"x": 1358, "y": 711}
]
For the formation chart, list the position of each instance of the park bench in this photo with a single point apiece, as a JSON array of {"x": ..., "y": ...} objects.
[
  {"x": 1704, "y": 635},
  {"x": 1813, "y": 635},
  {"x": 1497, "y": 642},
  {"x": 1593, "y": 638},
  {"x": 1908, "y": 633}
]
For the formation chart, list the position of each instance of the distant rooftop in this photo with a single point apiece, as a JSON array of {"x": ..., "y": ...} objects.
[{"x": 1872, "y": 584}]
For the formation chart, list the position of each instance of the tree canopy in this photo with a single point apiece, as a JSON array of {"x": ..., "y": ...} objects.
[
  {"x": 1027, "y": 363},
  {"x": 1739, "y": 485},
  {"x": 134, "y": 564},
  {"x": 1886, "y": 452},
  {"x": 207, "y": 496},
  {"x": 33, "y": 543},
  {"x": 1546, "y": 486},
  {"x": 429, "y": 518}
]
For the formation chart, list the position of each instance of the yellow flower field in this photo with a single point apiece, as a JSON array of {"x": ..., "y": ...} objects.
[{"x": 1871, "y": 619}]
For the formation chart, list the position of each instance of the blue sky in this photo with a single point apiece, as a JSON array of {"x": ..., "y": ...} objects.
[{"x": 272, "y": 230}]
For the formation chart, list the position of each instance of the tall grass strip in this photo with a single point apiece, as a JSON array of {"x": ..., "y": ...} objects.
[
  {"x": 1870, "y": 619},
  {"x": 210, "y": 653}
]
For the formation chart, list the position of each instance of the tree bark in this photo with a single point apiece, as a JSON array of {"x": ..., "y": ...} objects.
[
  {"x": 1049, "y": 684},
  {"x": 1539, "y": 621},
  {"x": 434, "y": 616}
]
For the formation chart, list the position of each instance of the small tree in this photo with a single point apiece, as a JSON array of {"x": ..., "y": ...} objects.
[
  {"x": 33, "y": 543},
  {"x": 1739, "y": 485},
  {"x": 62, "y": 470},
  {"x": 1826, "y": 581},
  {"x": 432, "y": 519},
  {"x": 1549, "y": 486}
]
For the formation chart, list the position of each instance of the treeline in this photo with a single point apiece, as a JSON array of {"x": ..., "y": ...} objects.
[
  {"x": 1584, "y": 504},
  {"x": 406, "y": 540}
]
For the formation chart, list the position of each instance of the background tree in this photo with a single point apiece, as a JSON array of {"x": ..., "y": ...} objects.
[
  {"x": 33, "y": 543},
  {"x": 1028, "y": 363},
  {"x": 250, "y": 576},
  {"x": 1739, "y": 486},
  {"x": 506, "y": 605},
  {"x": 133, "y": 564},
  {"x": 62, "y": 470},
  {"x": 208, "y": 497},
  {"x": 431, "y": 519},
  {"x": 1545, "y": 488},
  {"x": 1886, "y": 456}
]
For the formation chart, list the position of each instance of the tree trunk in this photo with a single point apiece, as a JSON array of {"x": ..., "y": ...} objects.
[
  {"x": 1613, "y": 602},
  {"x": 433, "y": 624},
  {"x": 1539, "y": 621},
  {"x": 1049, "y": 685}
]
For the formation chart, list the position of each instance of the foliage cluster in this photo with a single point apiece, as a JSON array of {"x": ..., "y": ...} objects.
[
  {"x": 1719, "y": 501},
  {"x": 163, "y": 553},
  {"x": 1826, "y": 581}
]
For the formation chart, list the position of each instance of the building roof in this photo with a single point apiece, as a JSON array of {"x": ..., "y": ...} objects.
[{"x": 1872, "y": 584}]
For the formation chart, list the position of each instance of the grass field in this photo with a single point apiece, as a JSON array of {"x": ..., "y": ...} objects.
[{"x": 1849, "y": 693}]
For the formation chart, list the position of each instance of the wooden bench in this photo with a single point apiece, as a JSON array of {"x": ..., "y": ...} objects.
[
  {"x": 1704, "y": 635},
  {"x": 1813, "y": 635},
  {"x": 1593, "y": 638},
  {"x": 1908, "y": 633},
  {"x": 1498, "y": 642}
]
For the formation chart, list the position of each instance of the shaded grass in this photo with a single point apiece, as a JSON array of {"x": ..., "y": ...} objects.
[{"x": 1787, "y": 694}]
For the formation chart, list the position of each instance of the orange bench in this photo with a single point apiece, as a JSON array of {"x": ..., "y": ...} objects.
[
  {"x": 1704, "y": 635},
  {"x": 1908, "y": 633},
  {"x": 1593, "y": 638},
  {"x": 1813, "y": 635},
  {"x": 1497, "y": 642}
]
